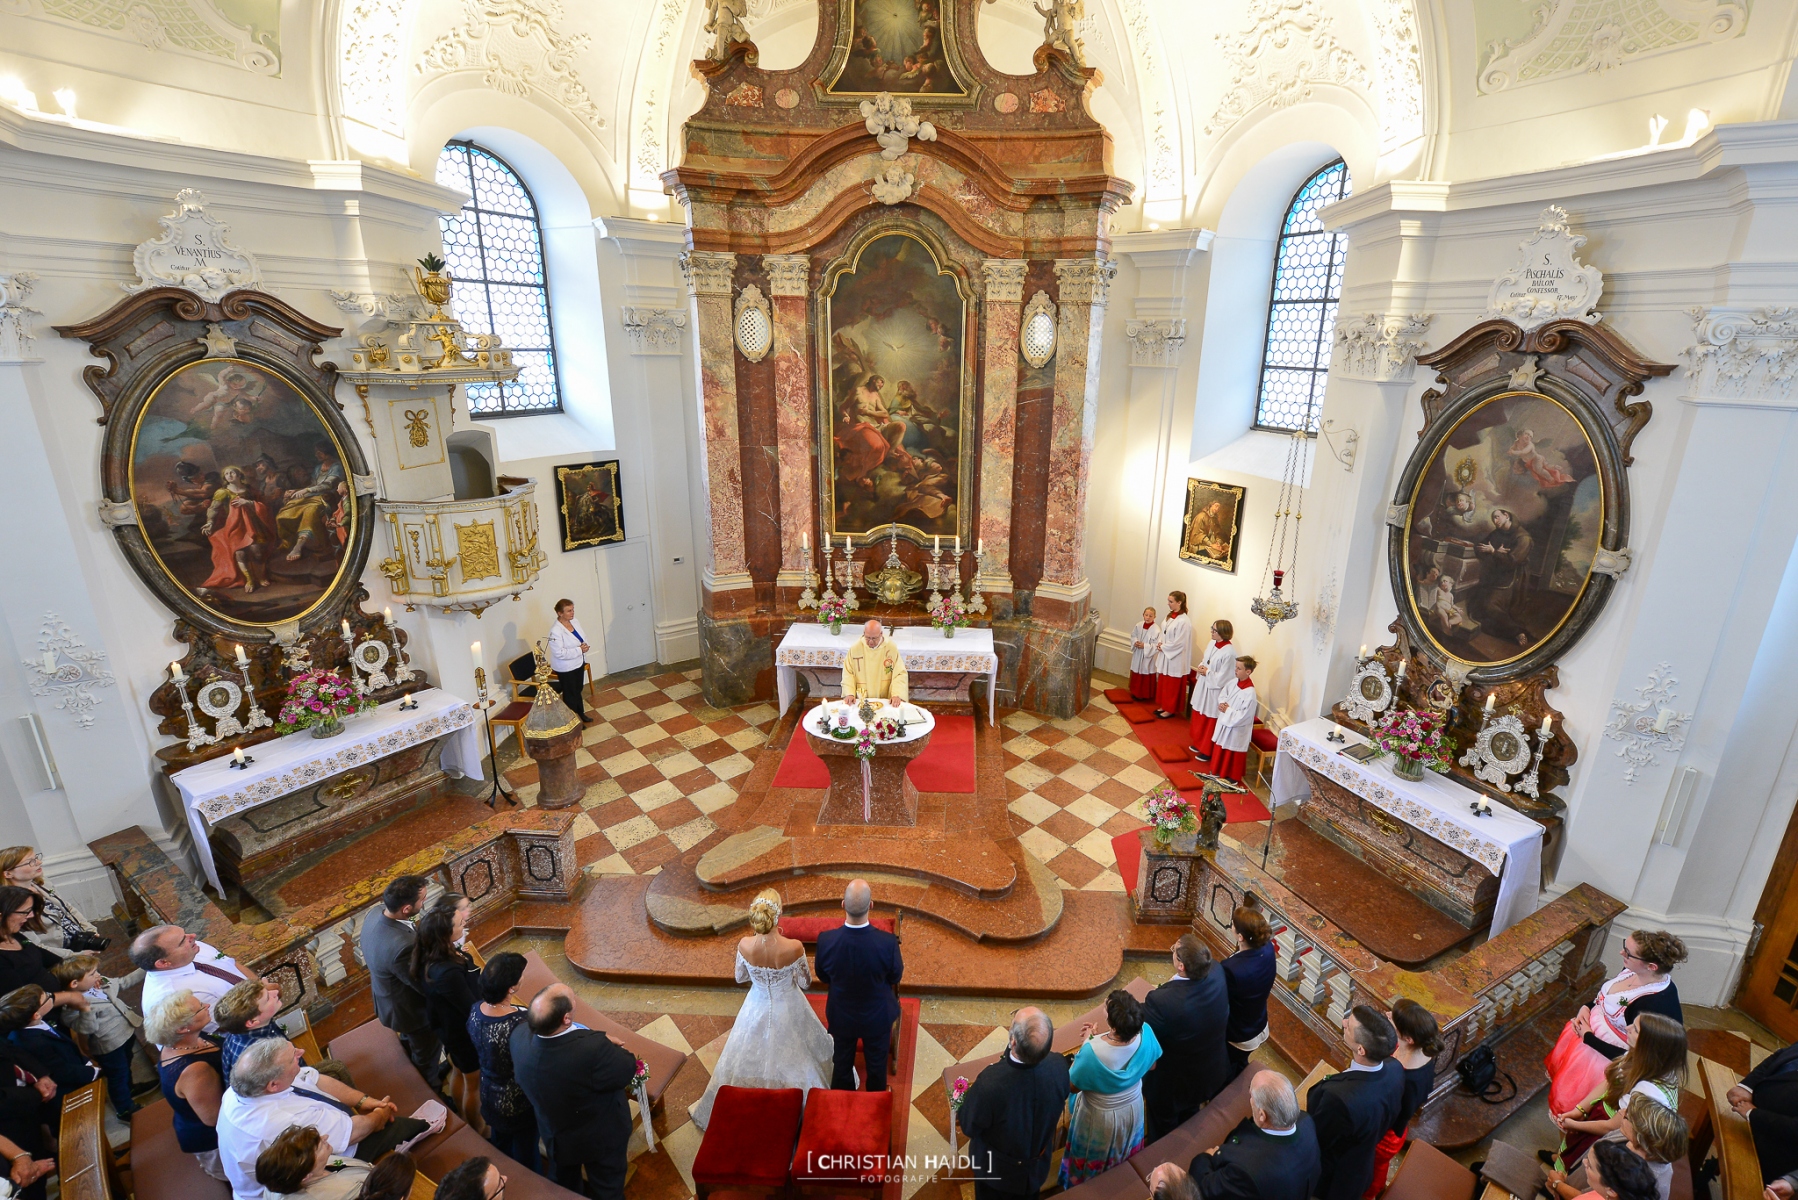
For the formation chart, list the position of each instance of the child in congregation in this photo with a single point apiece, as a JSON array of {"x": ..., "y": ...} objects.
[
  {"x": 1145, "y": 650},
  {"x": 108, "y": 1027},
  {"x": 1235, "y": 723}
]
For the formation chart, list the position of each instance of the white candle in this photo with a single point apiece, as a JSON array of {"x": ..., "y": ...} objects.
[
  {"x": 958, "y": 545},
  {"x": 936, "y": 543},
  {"x": 243, "y": 660},
  {"x": 805, "y": 543},
  {"x": 1363, "y": 653},
  {"x": 1548, "y": 724},
  {"x": 474, "y": 652},
  {"x": 845, "y": 543},
  {"x": 49, "y": 662},
  {"x": 175, "y": 672},
  {"x": 980, "y": 547},
  {"x": 237, "y": 756},
  {"x": 345, "y": 625},
  {"x": 1491, "y": 699},
  {"x": 387, "y": 615}
]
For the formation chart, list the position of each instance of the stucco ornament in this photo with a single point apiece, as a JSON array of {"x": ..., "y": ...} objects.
[
  {"x": 890, "y": 119},
  {"x": 1549, "y": 283},
  {"x": 893, "y": 184},
  {"x": 1277, "y": 54},
  {"x": 1579, "y": 37},
  {"x": 724, "y": 21},
  {"x": 66, "y": 668},
  {"x": 519, "y": 49},
  {"x": 192, "y": 253}
]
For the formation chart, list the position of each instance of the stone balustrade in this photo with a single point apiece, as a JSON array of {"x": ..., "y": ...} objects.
[{"x": 521, "y": 855}]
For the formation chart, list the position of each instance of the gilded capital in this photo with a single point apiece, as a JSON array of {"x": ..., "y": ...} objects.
[
  {"x": 788, "y": 274},
  {"x": 708, "y": 272},
  {"x": 1084, "y": 280},
  {"x": 1005, "y": 280}
]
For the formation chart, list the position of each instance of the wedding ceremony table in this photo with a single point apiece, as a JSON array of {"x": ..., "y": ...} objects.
[
  {"x": 873, "y": 791},
  {"x": 215, "y": 789},
  {"x": 1506, "y": 843},
  {"x": 924, "y": 650}
]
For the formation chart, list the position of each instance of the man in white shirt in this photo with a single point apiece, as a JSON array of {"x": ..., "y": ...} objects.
[
  {"x": 174, "y": 960},
  {"x": 272, "y": 1091},
  {"x": 568, "y": 659}
]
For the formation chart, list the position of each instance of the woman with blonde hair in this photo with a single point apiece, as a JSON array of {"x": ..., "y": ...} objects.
[
  {"x": 65, "y": 928},
  {"x": 1654, "y": 1066},
  {"x": 191, "y": 1072},
  {"x": 1598, "y": 1034},
  {"x": 777, "y": 1040}
]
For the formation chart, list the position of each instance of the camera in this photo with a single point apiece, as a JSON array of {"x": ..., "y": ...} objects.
[{"x": 81, "y": 941}]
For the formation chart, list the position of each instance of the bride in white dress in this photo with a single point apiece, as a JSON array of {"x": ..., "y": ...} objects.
[{"x": 777, "y": 1040}]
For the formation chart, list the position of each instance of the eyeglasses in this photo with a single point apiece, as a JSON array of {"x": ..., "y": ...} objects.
[
  {"x": 499, "y": 1191},
  {"x": 1634, "y": 957}
]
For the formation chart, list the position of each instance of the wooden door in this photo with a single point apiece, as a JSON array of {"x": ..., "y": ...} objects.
[{"x": 1769, "y": 991}]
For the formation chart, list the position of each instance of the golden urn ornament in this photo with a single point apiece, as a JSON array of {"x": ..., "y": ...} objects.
[{"x": 433, "y": 284}]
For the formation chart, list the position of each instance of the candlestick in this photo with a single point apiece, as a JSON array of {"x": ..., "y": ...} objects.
[
  {"x": 243, "y": 660},
  {"x": 1548, "y": 724},
  {"x": 196, "y": 736},
  {"x": 402, "y": 666},
  {"x": 387, "y": 615},
  {"x": 175, "y": 673},
  {"x": 258, "y": 718},
  {"x": 345, "y": 626}
]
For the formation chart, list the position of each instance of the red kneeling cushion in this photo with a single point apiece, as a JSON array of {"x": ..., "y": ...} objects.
[
  {"x": 749, "y": 1141},
  {"x": 1136, "y": 714},
  {"x": 1264, "y": 739},
  {"x": 514, "y": 711},
  {"x": 1184, "y": 781},
  {"x": 845, "y": 1137},
  {"x": 807, "y": 929},
  {"x": 1170, "y": 754},
  {"x": 1119, "y": 696}
]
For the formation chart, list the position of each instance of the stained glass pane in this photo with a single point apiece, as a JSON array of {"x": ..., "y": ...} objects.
[
  {"x": 494, "y": 249},
  {"x": 1301, "y": 317}
]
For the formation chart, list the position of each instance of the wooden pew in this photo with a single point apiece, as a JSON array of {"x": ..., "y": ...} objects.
[
  {"x": 1303, "y": 1090},
  {"x": 84, "y": 1157},
  {"x": 1733, "y": 1140},
  {"x": 422, "y": 1188}
]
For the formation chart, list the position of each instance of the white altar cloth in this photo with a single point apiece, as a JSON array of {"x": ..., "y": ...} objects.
[
  {"x": 918, "y": 721},
  {"x": 1507, "y": 843},
  {"x": 807, "y": 644},
  {"x": 214, "y": 789}
]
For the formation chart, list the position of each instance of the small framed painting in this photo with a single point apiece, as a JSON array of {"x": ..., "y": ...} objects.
[
  {"x": 1213, "y": 524},
  {"x": 588, "y": 504}
]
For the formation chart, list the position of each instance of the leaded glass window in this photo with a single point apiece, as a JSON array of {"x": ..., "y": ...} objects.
[
  {"x": 494, "y": 250},
  {"x": 1301, "y": 312}
]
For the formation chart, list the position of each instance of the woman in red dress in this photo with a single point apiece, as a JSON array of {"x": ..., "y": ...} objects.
[{"x": 239, "y": 528}]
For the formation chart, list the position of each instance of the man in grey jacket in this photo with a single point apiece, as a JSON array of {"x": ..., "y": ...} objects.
[{"x": 387, "y": 950}]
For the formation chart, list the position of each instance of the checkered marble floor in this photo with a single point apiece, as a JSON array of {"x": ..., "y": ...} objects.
[{"x": 658, "y": 761}]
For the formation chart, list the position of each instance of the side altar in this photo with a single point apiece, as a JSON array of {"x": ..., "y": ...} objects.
[{"x": 299, "y": 793}]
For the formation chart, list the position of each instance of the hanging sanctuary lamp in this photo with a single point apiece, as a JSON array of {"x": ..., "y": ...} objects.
[{"x": 1272, "y": 604}]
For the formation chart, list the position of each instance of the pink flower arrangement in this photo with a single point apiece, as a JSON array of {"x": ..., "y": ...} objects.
[
  {"x": 316, "y": 697},
  {"x": 887, "y": 728},
  {"x": 1417, "y": 737},
  {"x": 832, "y": 610},
  {"x": 1169, "y": 811},
  {"x": 958, "y": 1091},
  {"x": 864, "y": 745},
  {"x": 641, "y": 1075},
  {"x": 948, "y": 612}
]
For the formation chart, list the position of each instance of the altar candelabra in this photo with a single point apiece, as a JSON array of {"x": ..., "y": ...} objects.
[
  {"x": 1531, "y": 785},
  {"x": 941, "y": 575},
  {"x": 196, "y": 736},
  {"x": 258, "y": 718},
  {"x": 830, "y": 591},
  {"x": 849, "y": 573},
  {"x": 809, "y": 597},
  {"x": 402, "y": 665},
  {"x": 976, "y": 602}
]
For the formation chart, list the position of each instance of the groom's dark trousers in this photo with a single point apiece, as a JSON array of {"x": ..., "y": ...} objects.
[{"x": 861, "y": 966}]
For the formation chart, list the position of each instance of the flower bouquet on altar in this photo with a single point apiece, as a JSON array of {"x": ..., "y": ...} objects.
[
  {"x": 831, "y": 611},
  {"x": 1170, "y": 813},
  {"x": 948, "y": 614},
  {"x": 319, "y": 701},
  {"x": 888, "y": 728},
  {"x": 958, "y": 1091},
  {"x": 1415, "y": 740}
]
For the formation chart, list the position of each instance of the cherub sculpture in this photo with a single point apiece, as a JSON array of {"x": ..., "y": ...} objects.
[
  {"x": 1059, "y": 21},
  {"x": 725, "y": 21},
  {"x": 890, "y": 119}
]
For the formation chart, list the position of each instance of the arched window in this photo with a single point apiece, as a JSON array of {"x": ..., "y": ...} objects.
[
  {"x": 1301, "y": 312},
  {"x": 494, "y": 250}
]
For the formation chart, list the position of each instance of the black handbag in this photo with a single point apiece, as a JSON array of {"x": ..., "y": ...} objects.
[{"x": 1479, "y": 1075}]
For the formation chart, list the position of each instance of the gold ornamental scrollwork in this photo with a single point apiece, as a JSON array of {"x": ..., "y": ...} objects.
[
  {"x": 418, "y": 426},
  {"x": 348, "y": 786},
  {"x": 478, "y": 547}
]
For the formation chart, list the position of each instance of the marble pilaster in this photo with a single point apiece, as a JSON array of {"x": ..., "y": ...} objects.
[
  {"x": 789, "y": 280},
  {"x": 709, "y": 281},
  {"x": 1084, "y": 283},
  {"x": 998, "y": 432}
]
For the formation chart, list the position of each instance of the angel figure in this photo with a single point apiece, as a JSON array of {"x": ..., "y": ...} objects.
[
  {"x": 1529, "y": 459},
  {"x": 1059, "y": 20},
  {"x": 725, "y": 20}
]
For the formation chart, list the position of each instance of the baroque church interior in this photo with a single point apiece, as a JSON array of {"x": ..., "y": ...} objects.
[{"x": 636, "y": 469}]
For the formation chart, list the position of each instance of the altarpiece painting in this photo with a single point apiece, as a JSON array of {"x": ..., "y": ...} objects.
[
  {"x": 896, "y": 46},
  {"x": 899, "y": 391}
]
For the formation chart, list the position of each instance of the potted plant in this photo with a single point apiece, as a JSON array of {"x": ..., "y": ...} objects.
[
  {"x": 831, "y": 612},
  {"x": 319, "y": 701},
  {"x": 948, "y": 614},
  {"x": 1415, "y": 740},
  {"x": 1176, "y": 825}
]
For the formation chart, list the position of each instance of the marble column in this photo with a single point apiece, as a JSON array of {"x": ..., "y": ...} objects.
[
  {"x": 789, "y": 282},
  {"x": 709, "y": 280},
  {"x": 1084, "y": 283},
  {"x": 998, "y": 430}
]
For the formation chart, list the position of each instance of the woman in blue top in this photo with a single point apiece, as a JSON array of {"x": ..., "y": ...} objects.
[
  {"x": 189, "y": 1069},
  {"x": 511, "y": 1122},
  {"x": 1106, "y": 1109},
  {"x": 1249, "y": 978}
]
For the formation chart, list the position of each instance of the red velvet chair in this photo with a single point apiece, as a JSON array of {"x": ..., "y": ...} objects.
[
  {"x": 807, "y": 929},
  {"x": 748, "y": 1146},
  {"x": 1263, "y": 744},
  {"x": 844, "y": 1143}
]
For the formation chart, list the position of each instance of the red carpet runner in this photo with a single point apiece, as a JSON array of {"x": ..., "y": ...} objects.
[
  {"x": 947, "y": 764},
  {"x": 1176, "y": 732}
]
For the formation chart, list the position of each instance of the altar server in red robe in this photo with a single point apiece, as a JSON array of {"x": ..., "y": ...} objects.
[
  {"x": 1145, "y": 650},
  {"x": 1216, "y": 673},
  {"x": 1235, "y": 723},
  {"x": 1174, "y": 662}
]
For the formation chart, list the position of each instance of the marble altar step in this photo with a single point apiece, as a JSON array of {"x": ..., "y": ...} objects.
[
  {"x": 972, "y": 864},
  {"x": 613, "y": 938}
]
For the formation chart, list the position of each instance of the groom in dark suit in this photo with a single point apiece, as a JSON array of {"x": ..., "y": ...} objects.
[{"x": 861, "y": 966}]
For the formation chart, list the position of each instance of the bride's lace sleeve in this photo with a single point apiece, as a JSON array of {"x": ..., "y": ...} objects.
[
  {"x": 742, "y": 969},
  {"x": 805, "y": 971}
]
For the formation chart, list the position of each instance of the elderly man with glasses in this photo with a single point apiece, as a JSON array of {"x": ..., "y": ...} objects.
[{"x": 873, "y": 669}]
